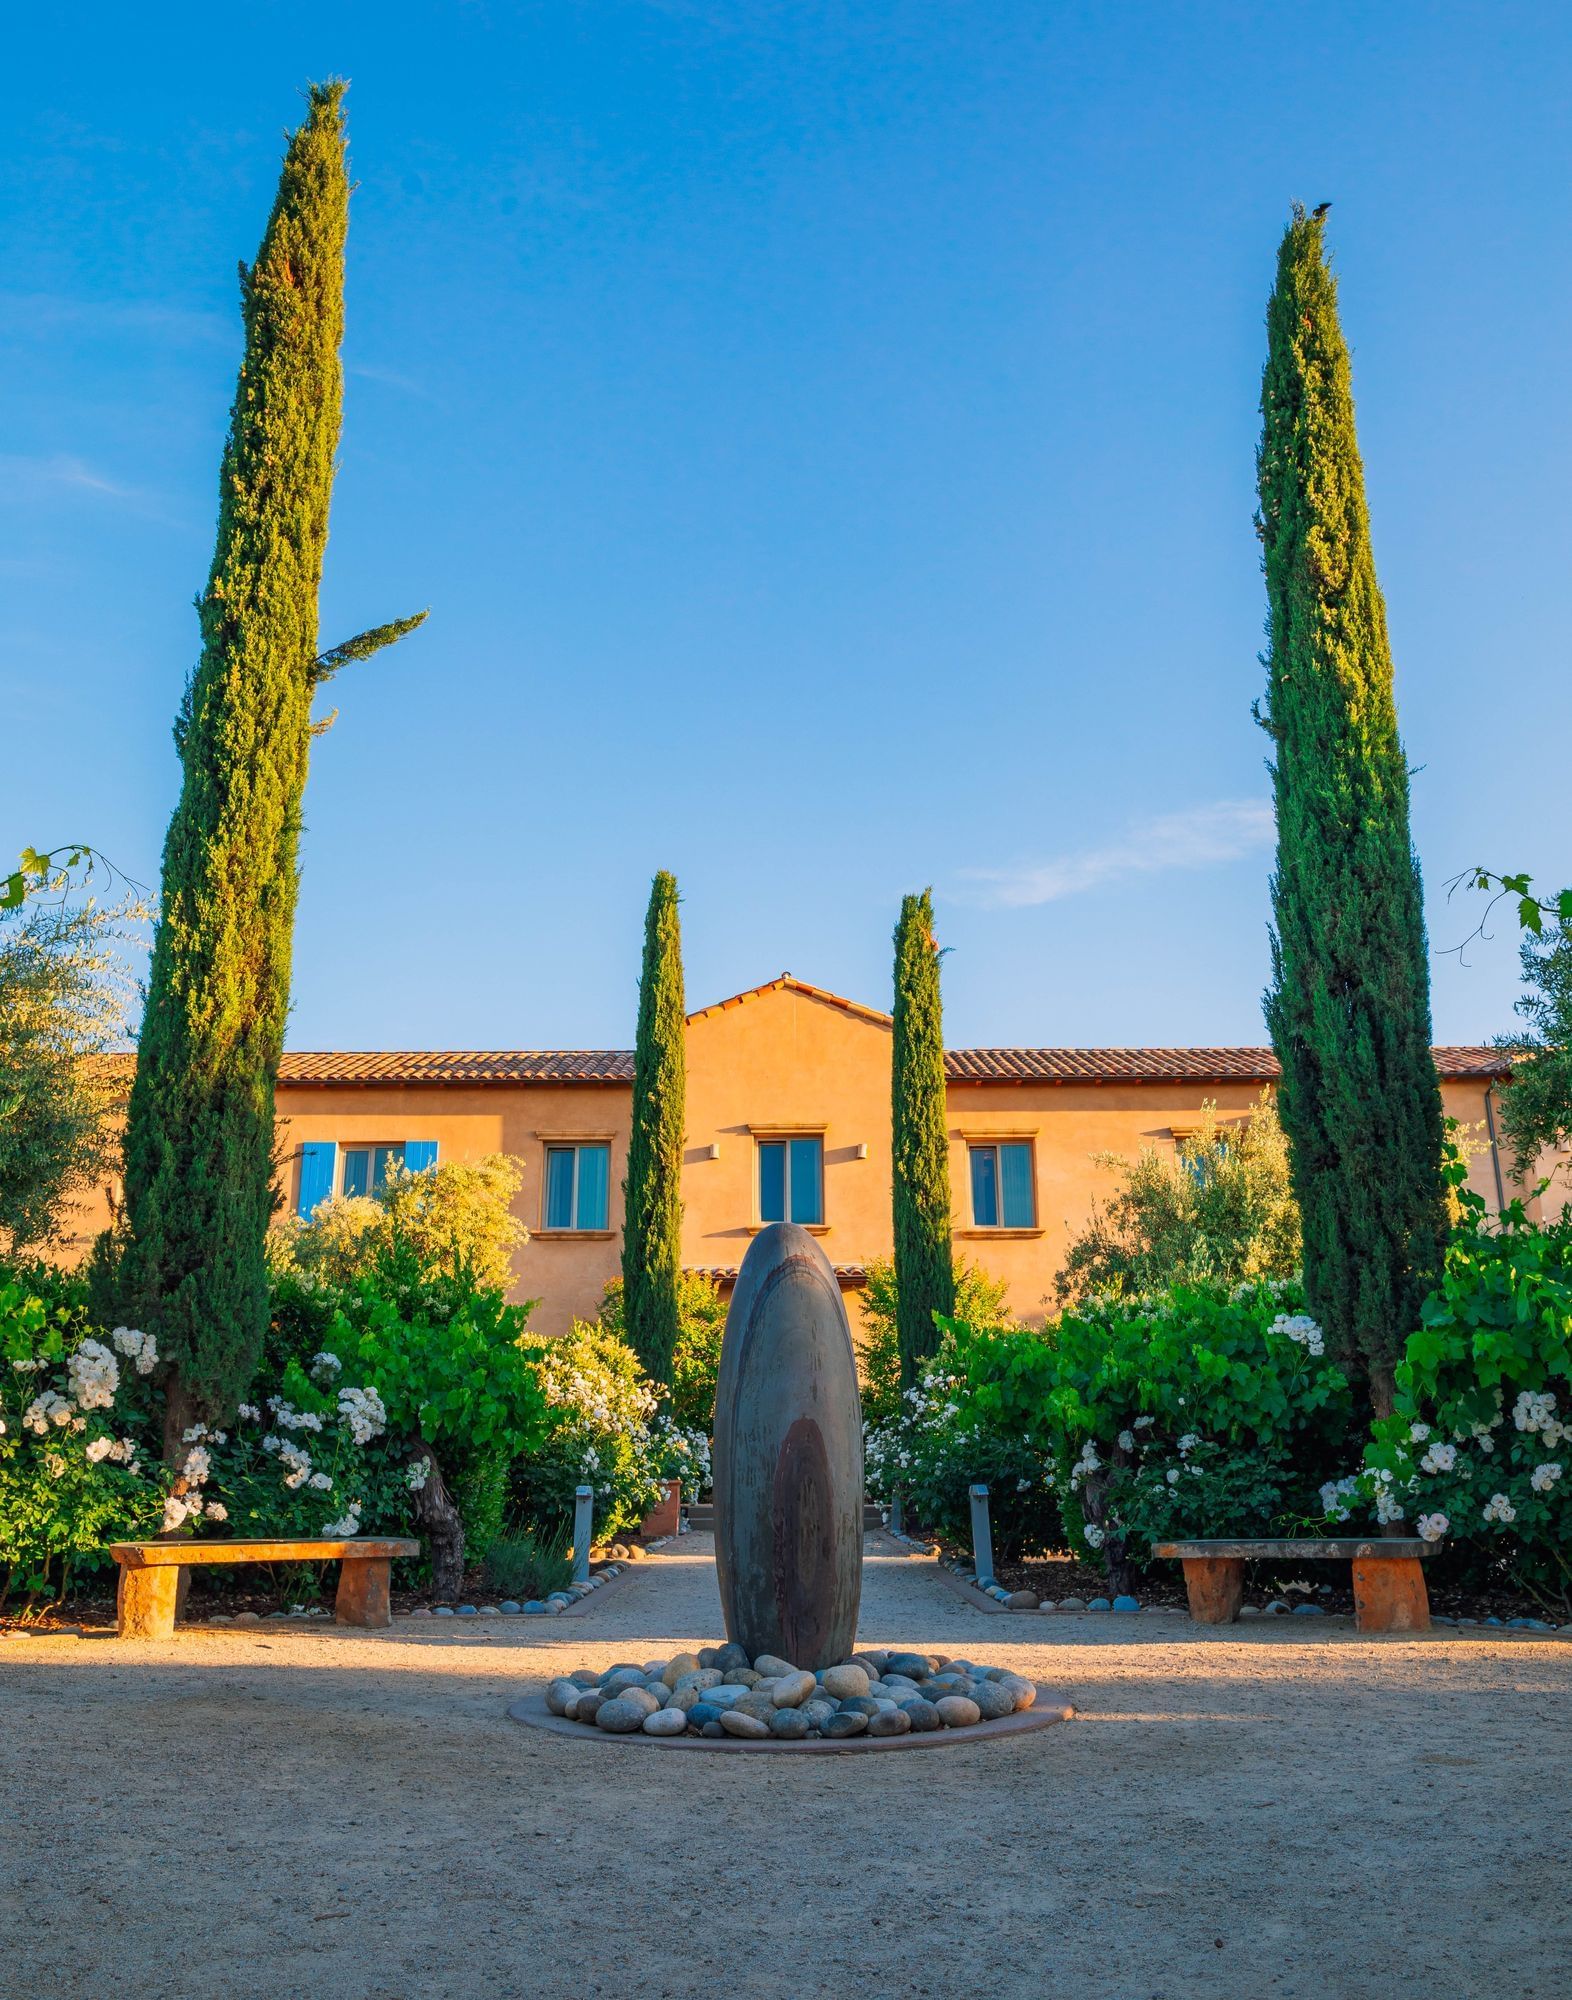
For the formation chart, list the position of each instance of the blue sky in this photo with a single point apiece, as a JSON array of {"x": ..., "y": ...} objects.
[{"x": 824, "y": 437}]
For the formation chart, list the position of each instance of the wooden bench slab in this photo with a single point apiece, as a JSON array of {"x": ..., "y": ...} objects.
[
  {"x": 1389, "y": 1584},
  {"x": 150, "y": 1575}
]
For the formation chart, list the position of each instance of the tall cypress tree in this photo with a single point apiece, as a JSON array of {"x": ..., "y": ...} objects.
[
  {"x": 1349, "y": 1004},
  {"x": 920, "y": 1164},
  {"x": 652, "y": 1192},
  {"x": 199, "y": 1135}
]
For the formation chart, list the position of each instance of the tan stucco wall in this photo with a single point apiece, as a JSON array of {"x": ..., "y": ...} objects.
[
  {"x": 566, "y": 1273},
  {"x": 773, "y": 1062}
]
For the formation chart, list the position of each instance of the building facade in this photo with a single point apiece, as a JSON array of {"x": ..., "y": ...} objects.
[{"x": 788, "y": 1117}]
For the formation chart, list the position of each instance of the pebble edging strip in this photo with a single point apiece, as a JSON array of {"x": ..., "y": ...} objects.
[{"x": 714, "y": 1698}]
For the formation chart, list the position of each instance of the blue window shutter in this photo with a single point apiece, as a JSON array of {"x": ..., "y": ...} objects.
[
  {"x": 316, "y": 1174},
  {"x": 420, "y": 1154}
]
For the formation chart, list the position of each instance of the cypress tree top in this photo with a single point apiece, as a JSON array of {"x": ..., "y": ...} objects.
[
  {"x": 1349, "y": 1004},
  {"x": 652, "y": 1193},
  {"x": 920, "y": 1152}
]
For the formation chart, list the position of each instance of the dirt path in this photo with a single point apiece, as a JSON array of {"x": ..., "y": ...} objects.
[{"x": 1242, "y": 1815}]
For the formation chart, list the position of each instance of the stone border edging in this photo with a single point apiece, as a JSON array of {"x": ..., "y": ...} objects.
[{"x": 1048, "y": 1709}]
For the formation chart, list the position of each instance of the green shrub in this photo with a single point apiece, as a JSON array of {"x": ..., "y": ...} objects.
[
  {"x": 79, "y": 1436},
  {"x": 979, "y": 1301},
  {"x": 942, "y": 1442},
  {"x": 1478, "y": 1450},
  {"x": 1197, "y": 1412},
  {"x": 524, "y": 1563},
  {"x": 597, "y": 1431},
  {"x": 701, "y": 1322}
]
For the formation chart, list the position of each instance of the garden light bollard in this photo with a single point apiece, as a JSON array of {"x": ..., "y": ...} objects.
[
  {"x": 982, "y": 1537},
  {"x": 583, "y": 1520},
  {"x": 897, "y": 1513}
]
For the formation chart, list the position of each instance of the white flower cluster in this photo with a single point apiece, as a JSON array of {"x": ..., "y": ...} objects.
[
  {"x": 1499, "y": 1508},
  {"x": 291, "y": 1419},
  {"x": 1388, "y": 1508},
  {"x": 1127, "y": 1440},
  {"x": 138, "y": 1348},
  {"x": 295, "y": 1457},
  {"x": 325, "y": 1367},
  {"x": 95, "y": 1375},
  {"x": 1538, "y": 1413},
  {"x": 1418, "y": 1433},
  {"x": 248, "y": 1413},
  {"x": 1439, "y": 1457},
  {"x": 1085, "y": 1465},
  {"x": 45, "y": 1410},
  {"x": 1433, "y": 1526},
  {"x": 1335, "y": 1496},
  {"x": 1095, "y": 1537},
  {"x": 1302, "y": 1328},
  {"x": 1543, "y": 1477},
  {"x": 363, "y": 1411},
  {"x": 350, "y": 1525},
  {"x": 416, "y": 1475},
  {"x": 1187, "y": 1444}
]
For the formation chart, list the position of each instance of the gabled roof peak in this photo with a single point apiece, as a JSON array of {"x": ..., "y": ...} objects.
[{"x": 785, "y": 983}]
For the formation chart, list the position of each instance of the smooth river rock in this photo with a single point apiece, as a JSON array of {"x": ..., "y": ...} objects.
[{"x": 788, "y": 1457}]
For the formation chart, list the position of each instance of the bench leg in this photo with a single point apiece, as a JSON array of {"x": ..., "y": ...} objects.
[
  {"x": 1216, "y": 1588},
  {"x": 363, "y": 1592},
  {"x": 145, "y": 1601},
  {"x": 1390, "y": 1595}
]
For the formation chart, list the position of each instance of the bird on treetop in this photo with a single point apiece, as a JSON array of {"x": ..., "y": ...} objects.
[{"x": 1320, "y": 209}]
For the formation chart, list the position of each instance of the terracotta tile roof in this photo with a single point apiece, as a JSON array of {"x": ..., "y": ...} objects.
[
  {"x": 787, "y": 984},
  {"x": 304, "y": 1067},
  {"x": 1165, "y": 1065},
  {"x": 727, "y": 1274}
]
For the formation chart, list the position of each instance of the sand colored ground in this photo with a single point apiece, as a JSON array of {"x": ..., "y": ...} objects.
[{"x": 1261, "y": 1811}]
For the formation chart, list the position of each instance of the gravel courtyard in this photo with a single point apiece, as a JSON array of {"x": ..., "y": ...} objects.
[{"x": 283, "y": 1811}]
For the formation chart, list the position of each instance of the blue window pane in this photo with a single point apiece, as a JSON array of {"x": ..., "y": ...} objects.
[
  {"x": 985, "y": 1187},
  {"x": 380, "y": 1160},
  {"x": 420, "y": 1154},
  {"x": 594, "y": 1173},
  {"x": 1015, "y": 1187},
  {"x": 559, "y": 1187},
  {"x": 807, "y": 1180},
  {"x": 772, "y": 1181},
  {"x": 357, "y": 1171}
]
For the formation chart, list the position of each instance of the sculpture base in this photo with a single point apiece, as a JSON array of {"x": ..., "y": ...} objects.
[{"x": 1045, "y": 1712}]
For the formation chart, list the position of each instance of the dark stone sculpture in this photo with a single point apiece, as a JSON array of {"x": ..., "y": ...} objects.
[{"x": 788, "y": 1457}]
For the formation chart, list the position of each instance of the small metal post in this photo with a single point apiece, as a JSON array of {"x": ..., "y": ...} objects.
[
  {"x": 583, "y": 1519},
  {"x": 982, "y": 1537},
  {"x": 897, "y": 1513}
]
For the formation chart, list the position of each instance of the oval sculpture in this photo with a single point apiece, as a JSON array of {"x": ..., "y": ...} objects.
[{"x": 788, "y": 1457}]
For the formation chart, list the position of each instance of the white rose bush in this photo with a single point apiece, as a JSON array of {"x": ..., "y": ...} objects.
[
  {"x": 1478, "y": 1451},
  {"x": 79, "y": 1441}
]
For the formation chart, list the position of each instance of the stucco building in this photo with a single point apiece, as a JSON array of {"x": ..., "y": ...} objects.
[{"x": 788, "y": 1116}]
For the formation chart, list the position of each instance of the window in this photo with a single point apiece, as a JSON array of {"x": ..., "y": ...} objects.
[
  {"x": 1002, "y": 1186},
  {"x": 791, "y": 1180},
  {"x": 578, "y": 1180},
  {"x": 328, "y": 1169},
  {"x": 366, "y": 1168}
]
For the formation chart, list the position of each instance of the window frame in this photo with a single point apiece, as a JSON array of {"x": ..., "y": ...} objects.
[
  {"x": 785, "y": 1136},
  {"x": 574, "y": 1143},
  {"x": 394, "y": 1148},
  {"x": 995, "y": 1143}
]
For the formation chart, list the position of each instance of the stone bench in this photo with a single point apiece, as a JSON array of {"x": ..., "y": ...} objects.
[
  {"x": 150, "y": 1576},
  {"x": 1389, "y": 1584}
]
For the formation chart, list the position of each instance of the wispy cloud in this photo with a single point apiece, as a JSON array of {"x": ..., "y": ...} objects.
[
  {"x": 46, "y": 314},
  {"x": 1198, "y": 837},
  {"x": 56, "y": 470}
]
